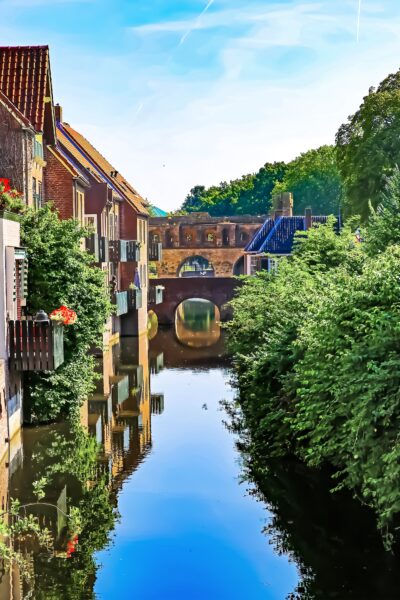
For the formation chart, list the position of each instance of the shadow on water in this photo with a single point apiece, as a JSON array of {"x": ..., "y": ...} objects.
[{"x": 331, "y": 539}]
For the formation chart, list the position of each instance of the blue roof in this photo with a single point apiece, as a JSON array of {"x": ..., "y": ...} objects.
[
  {"x": 158, "y": 212},
  {"x": 276, "y": 236}
]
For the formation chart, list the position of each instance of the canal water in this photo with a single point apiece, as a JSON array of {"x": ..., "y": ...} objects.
[{"x": 166, "y": 504}]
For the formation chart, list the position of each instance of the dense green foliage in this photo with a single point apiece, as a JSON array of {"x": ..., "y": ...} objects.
[
  {"x": 61, "y": 273},
  {"x": 315, "y": 181},
  {"x": 368, "y": 146},
  {"x": 249, "y": 195},
  {"x": 318, "y": 360}
]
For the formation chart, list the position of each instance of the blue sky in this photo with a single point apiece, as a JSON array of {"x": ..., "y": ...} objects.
[{"x": 176, "y": 95}]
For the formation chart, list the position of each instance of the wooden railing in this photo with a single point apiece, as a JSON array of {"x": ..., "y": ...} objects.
[
  {"x": 124, "y": 251},
  {"x": 135, "y": 300},
  {"x": 35, "y": 346},
  {"x": 157, "y": 404}
]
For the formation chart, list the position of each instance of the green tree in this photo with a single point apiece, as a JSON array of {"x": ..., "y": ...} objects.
[
  {"x": 315, "y": 181},
  {"x": 251, "y": 194},
  {"x": 62, "y": 273},
  {"x": 368, "y": 147}
]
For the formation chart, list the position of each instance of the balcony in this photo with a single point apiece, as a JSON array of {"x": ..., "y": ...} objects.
[
  {"x": 156, "y": 363},
  {"x": 124, "y": 251},
  {"x": 157, "y": 404},
  {"x": 35, "y": 346},
  {"x": 156, "y": 294},
  {"x": 120, "y": 300},
  {"x": 92, "y": 246},
  {"x": 134, "y": 299},
  {"x": 120, "y": 388},
  {"x": 104, "y": 255},
  {"x": 135, "y": 376},
  {"x": 155, "y": 251}
]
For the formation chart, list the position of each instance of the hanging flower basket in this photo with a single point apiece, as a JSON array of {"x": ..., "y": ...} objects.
[{"x": 65, "y": 315}]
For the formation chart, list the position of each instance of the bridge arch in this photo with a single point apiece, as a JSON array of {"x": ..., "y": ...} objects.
[
  {"x": 197, "y": 323},
  {"x": 195, "y": 265},
  {"x": 218, "y": 290}
]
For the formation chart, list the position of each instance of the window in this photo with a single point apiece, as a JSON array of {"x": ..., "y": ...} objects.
[
  {"x": 91, "y": 222},
  {"x": 210, "y": 237},
  {"x": 80, "y": 207},
  {"x": 40, "y": 193},
  {"x": 273, "y": 264}
]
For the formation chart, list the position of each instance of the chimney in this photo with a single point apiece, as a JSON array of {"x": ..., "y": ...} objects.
[
  {"x": 58, "y": 112},
  {"x": 282, "y": 205},
  {"x": 308, "y": 219}
]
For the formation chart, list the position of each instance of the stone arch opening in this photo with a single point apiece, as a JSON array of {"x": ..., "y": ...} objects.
[
  {"x": 196, "y": 266},
  {"x": 197, "y": 323},
  {"x": 238, "y": 267}
]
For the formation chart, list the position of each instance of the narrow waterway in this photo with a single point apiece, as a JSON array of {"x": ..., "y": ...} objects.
[{"x": 169, "y": 508}]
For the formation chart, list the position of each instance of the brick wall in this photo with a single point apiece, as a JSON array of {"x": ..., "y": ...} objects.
[{"x": 59, "y": 186}]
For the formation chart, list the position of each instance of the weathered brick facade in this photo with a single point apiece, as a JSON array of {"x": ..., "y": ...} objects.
[
  {"x": 220, "y": 240},
  {"x": 59, "y": 186}
]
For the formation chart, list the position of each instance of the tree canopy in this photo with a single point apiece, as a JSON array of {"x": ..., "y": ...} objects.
[
  {"x": 368, "y": 146},
  {"x": 313, "y": 177},
  {"x": 251, "y": 194},
  {"x": 315, "y": 181}
]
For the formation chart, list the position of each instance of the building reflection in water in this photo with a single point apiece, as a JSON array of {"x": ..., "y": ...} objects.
[
  {"x": 197, "y": 323},
  {"x": 82, "y": 474}
]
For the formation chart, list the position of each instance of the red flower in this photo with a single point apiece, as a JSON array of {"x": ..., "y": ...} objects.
[
  {"x": 6, "y": 184},
  {"x": 64, "y": 314}
]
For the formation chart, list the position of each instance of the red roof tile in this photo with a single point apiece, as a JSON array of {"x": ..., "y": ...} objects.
[
  {"x": 25, "y": 79},
  {"x": 14, "y": 110},
  {"x": 126, "y": 190}
]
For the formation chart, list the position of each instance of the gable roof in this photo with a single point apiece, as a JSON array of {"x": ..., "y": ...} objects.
[
  {"x": 115, "y": 179},
  {"x": 68, "y": 148},
  {"x": 25, "y": 79},
  {"x": 22, "y": 120},
  {"x": 68, "y": 164}
]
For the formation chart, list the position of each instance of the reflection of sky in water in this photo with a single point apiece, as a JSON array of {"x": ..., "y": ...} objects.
[
  {"x": 188, "y": 530},
  {"x": 197, "y": 323}
]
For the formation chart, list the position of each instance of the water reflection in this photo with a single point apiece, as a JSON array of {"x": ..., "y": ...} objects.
[
  {"x": 197, "y": 323},
  {"x": 150, "y": 472}
]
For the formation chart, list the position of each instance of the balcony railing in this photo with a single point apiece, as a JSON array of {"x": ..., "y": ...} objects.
[
  {"x": 120, "y": 299},
  {"x": 124, "y": 251},
  {"x": 156, "y": 363},
  {"x": 156, "y": 294},
  {"x": 134, "y": 299},
  {"x": 135, "y": 376},
  {"x": 35, "y": 346},
  {"x": 155, "y": 251},
  {"x": 92, "y": 246},
  {"x": 104, "y": 255},
  {"x": 120, "y": 388},
  {"x": 157, "y": 404}
]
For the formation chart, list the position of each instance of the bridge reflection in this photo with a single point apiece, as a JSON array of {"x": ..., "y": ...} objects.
[{"x": 197, "y": 323}]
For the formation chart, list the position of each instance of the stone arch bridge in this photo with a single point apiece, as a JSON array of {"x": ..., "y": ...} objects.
[
  {"x": 218, "y": 290},
  {"x": 200, "y": 256},
  {"x": 218, "y": 240}
]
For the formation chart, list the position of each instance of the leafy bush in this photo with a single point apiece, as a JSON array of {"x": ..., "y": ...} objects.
[
  {"x": 318, "y": 360},
  {"x": 62, "y": 273}
]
